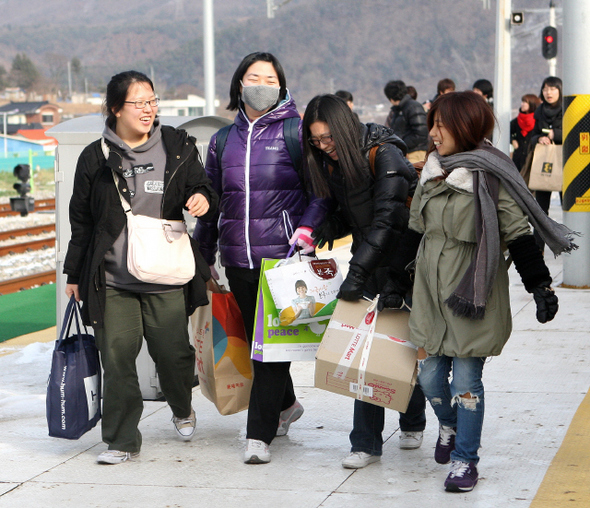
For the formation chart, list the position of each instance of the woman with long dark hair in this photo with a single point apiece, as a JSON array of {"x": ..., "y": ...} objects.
[
  {"x": 469, "y": 204},
  {"x": 159, "y": 173},
  {"x": 369, "y": 201}
]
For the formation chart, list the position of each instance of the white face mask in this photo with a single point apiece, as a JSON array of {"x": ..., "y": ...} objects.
[{"x": 260, "y": 97}]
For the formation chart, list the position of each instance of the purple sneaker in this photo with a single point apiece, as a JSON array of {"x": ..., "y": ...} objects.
[
  {"x": 445, "y": 444},
  {"x": 462, "y": 478}
]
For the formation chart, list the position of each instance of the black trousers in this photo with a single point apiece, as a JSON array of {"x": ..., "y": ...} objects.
[
  {"x": 272, "y": 389},
  {"x": 544, "y": 200}
]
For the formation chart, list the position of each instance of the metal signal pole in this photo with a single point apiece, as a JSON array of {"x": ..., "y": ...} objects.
[
  {"x": 209, "y": 57},
  {"x": 503, "y": 77},
  {"x": 576, "y": 139}
]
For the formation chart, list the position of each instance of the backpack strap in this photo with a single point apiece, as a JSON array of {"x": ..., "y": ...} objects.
[
  {"x": 372, "y": 157},
  {"x": 291, "y": 135},
  {"x": 222, "y": 135}
]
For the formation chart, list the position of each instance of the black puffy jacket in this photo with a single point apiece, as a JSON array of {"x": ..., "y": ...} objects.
[
  {"x": 375, "y": 211},
  {"x": 408, "y": 121}
]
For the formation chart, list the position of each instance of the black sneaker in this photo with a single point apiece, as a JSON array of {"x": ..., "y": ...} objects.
[
  {"x": 445, "y": 444},
  {"x": 462, "y": 478}
]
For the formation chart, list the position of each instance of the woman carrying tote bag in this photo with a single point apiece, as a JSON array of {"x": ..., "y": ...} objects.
[
  {"x": 547, "y": 130},
  {"x": 159, "y": 173}
]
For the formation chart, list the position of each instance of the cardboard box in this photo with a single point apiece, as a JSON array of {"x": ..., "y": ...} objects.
[{"x": 385, "y": 364}]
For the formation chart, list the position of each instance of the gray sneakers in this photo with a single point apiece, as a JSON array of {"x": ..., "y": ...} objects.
[
  {"x": 115, "y": 457},
  {"x": 410, "y": 440},
  {"x": 288, "y": 416},
  {"x": 185, "y": 427},
  {"x": 358, "y": 460}
]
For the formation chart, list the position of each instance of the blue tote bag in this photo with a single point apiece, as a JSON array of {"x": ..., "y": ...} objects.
[{"x": 73, "y": 389}]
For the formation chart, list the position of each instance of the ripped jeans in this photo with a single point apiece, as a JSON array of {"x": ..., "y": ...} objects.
[{"x": 451, "y": 409}]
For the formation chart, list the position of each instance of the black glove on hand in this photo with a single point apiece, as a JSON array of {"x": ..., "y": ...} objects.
[
  {"x": 351, "y": 289},
  {"x": 394, "y": 291},
  {"x": 547, "y": 303},
  {"x": 328, "y": 231}
]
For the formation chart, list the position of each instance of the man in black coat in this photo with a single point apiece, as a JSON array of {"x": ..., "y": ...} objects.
[{"x": 407, "y": 118}]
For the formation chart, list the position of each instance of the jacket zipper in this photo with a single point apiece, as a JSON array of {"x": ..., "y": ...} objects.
[{"x": 247, "y": 201}]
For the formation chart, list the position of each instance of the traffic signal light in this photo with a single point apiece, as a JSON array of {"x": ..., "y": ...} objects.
[
  {"x": 23, "y": 204},
  {"x": 549, "y": 42}
]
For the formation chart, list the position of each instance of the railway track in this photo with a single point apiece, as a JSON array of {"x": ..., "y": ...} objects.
[
  {"x": 26, "y": 282},
  {"x": 41, "y": 205},
  {"x": 19, "y": 248},
  {"x": 30, "y": 231}
]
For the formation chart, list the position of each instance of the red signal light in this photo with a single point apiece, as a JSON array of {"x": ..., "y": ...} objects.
[{"x": 549, "y": 39}]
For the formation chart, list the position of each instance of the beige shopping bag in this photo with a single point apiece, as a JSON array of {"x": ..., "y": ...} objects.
[
  {"x": 547, "y": 168},
  {"x": 223, "y": 354}
]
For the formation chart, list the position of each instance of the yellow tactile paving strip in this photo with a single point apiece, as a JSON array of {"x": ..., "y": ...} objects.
[{"x": 567, "y": 481}]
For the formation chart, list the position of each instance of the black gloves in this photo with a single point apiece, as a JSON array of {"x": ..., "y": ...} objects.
[
  {"x": 535, "y": 275},
  {"x": 395, "y": 289},
  {"x": 329, "y": 230},
  {"x": 547, "y": 303},
  {"x": 352, "y": 287}
]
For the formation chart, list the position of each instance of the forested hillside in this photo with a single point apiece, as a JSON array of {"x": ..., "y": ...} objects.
[{"x": 324, "y": 45}]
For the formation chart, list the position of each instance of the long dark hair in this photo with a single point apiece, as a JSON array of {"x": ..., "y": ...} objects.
[
  {"x": 117, "y": 92},
  {"x": 466, "y": 115},
  {"x": 234, "y": 87},
  {"x": 346, "y": 133}
]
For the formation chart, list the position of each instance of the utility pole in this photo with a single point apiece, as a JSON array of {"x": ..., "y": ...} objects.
[
  {"x": 552, "y": 61},
  {"x": 70, "y": 79},
  {"x": 271, "y": 7},
  {"x": 503, "y": 78},
  {"x": 209, "y": 57},
  {"x": 576, "y": 139}
]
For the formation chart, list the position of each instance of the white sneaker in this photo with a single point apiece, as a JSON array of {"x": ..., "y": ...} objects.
[
  {"x": 257, "y": 452},
  {"x": 288, "y": 416},
  {"x": 185, "y": 427},
  {"x": 115, "y": 457},
  {"x": 410, "y": 440},
  {"x": 357, "y": 460}
]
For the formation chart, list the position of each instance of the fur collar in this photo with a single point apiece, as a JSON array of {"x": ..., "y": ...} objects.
[{"x": 459, "y": 178}]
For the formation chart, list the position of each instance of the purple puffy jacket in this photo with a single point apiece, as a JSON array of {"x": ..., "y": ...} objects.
[{"x": 262, "y": 200}]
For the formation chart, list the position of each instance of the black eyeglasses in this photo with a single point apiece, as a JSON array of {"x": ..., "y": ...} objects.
[
  {"x": 141, "y": 104},
  {"x": 326, "y": 140}
]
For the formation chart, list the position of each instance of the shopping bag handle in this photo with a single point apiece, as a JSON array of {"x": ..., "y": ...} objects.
[{"x": 72, "y": 311}]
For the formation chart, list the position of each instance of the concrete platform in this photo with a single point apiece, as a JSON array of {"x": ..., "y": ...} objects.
[{"x": 533, "y": 391}]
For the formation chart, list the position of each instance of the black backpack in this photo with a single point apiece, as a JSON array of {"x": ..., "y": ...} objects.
[{"x": 291, "y": 134}]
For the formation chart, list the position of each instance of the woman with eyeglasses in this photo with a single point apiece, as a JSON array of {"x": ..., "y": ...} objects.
[
  {"x": 264, "y": 208},
  {"x": 159, "y": 174},
  {"x": 369, "y": 202}
]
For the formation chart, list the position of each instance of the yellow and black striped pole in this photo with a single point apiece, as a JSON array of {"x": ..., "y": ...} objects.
[
  {"x": 576, "y": 154},
  {"x": 576, "y": 139}
]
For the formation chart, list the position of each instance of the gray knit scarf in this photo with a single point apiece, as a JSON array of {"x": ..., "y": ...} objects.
[{"x": 470, "y": 296}]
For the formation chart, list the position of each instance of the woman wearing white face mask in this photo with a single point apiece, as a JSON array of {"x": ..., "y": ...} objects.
[{"x": 264, "y": 208}]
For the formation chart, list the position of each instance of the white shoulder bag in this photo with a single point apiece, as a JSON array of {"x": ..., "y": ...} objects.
[{"x": 158, "y": 250}]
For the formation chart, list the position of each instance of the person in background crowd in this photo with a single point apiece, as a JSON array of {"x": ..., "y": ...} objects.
[
  {"x": 521, "y": 126},
  {"x": 484, "y": 88},
  {"x": 547, "y": 130},
  {"x": 412, "y": 92},
  {"x": 347, "y": 97},
  {"x": 264, "y": 208},
  {"x": 370, "y": 203},
  {"x": 469, "y": 205},
  {"x": 159, "y": 174},
  {"x": 407, "y": 119},
  {"x": 444, "y": 86}
]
